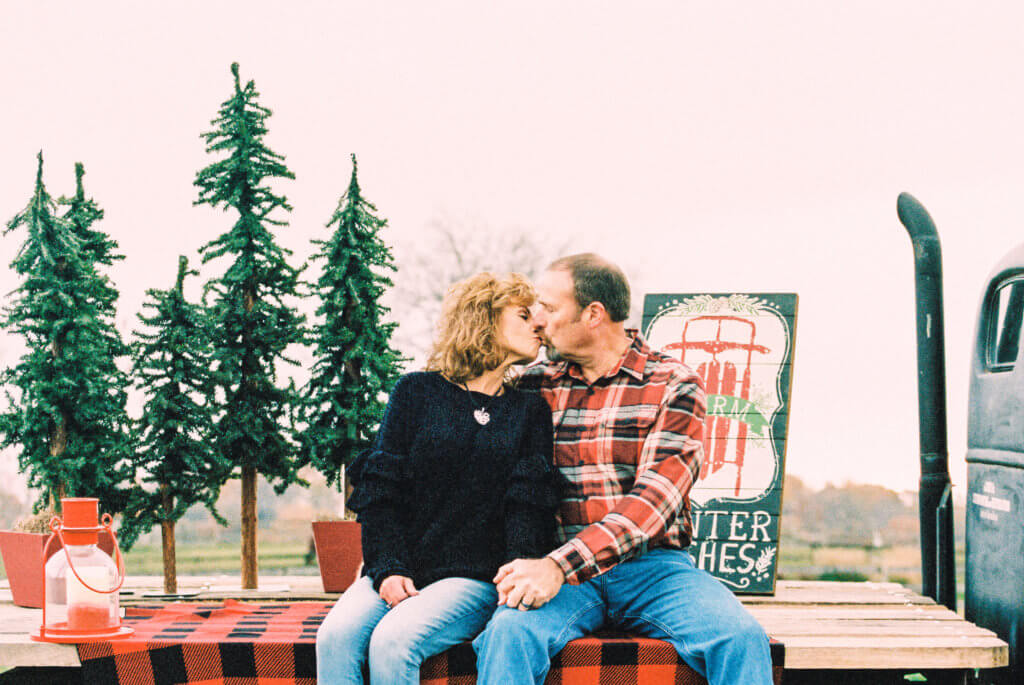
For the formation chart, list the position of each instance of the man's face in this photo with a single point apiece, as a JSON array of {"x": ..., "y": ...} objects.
[{"x": 558, "y": 316}]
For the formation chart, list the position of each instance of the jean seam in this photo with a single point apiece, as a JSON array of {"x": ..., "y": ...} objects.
[
  {"x": 575, "y": 616},
  {"x": 661, "y": 626}
]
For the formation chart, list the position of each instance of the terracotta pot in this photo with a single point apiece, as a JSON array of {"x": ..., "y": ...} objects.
[
  {"x": 23, "y": 563},
  {"x": 339, "y": 553}
]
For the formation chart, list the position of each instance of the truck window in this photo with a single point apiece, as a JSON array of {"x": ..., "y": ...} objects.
[{"x": 1007, "y": 316}]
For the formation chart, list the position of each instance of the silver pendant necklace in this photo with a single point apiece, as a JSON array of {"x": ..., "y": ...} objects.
[{"x": 481, "y": 415}]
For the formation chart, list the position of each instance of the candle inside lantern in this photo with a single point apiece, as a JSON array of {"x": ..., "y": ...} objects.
[{"x": 88, "y": 609}]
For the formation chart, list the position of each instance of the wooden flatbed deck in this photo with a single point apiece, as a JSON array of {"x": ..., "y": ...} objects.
[{"x": 824, "y": 625}]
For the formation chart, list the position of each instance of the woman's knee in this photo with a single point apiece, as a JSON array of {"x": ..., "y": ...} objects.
[{"x": 392, "y": 643}]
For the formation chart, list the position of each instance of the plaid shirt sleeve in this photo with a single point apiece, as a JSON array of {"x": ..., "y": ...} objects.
[{"x": 669, "y": 462}]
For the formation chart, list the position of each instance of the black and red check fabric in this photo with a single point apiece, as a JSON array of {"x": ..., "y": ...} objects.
[
  {"x": 275, "y": 644},
  {"x": 605, "y": 659},
  {"x": 229, "y": 644}
]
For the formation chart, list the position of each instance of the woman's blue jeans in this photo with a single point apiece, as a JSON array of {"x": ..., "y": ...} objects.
[
  {"x": 660, "y": 594},
  {"x": 360, "y": 627}
]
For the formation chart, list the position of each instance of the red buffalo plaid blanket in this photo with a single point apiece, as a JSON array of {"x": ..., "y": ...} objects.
[{"x": 275, "y": 644}]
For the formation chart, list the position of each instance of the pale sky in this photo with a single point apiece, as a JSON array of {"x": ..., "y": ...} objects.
[{"x": 741, "y": 147}]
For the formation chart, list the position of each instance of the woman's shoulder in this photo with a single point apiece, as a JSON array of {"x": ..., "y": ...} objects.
[{"x": 417, "y": 380}]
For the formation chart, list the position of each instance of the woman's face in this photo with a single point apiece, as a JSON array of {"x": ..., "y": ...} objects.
[{"x": 517, "y": 333}]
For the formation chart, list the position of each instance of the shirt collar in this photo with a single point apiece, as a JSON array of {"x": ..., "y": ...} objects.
[{"x": 632, "y": 363}]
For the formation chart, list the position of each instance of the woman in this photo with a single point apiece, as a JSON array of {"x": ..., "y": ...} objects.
[{"x": 458, "y": 482}]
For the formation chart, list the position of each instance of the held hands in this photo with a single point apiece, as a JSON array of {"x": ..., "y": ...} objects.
[
  {"x": 396, "y": 588},
  {"x": 528, "y": 583}
]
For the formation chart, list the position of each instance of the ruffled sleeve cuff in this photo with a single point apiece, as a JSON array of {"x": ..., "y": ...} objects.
[{"x": 377, "y": 477}]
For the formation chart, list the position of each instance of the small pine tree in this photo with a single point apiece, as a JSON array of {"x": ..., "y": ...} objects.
[
  {"x": 67, "y": 416},
  {"x": 172, "y": 368},
  {"x": 252, "y": 322},
  {"x": 354, "y": 361}
]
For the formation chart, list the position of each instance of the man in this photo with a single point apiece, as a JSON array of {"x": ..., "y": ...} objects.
[{"x": 629, "y": 425}]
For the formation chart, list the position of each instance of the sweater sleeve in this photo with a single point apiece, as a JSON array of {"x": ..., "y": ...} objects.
[
  {"x": 532, "y": 495},
  {"x": 381, "y": 477}
]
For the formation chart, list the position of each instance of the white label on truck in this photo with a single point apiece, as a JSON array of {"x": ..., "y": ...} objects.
[{"x": 991, "y": 502}]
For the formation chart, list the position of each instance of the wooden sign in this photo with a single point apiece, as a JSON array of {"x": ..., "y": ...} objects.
[{"x": 742, "y": 346}]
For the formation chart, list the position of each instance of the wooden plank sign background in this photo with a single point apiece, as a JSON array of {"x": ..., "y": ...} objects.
[{"x": 742, "y": 346}]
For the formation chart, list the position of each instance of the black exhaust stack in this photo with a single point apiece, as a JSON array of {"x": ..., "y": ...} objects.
[{"x": 936, "y": 507}]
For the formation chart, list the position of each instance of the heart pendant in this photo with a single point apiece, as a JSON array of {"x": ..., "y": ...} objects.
[{"x": 482, "y": 417}]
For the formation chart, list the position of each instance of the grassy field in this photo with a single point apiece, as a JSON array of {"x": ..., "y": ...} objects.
[
  {"x": 275, "y": 558},
  {"x": 899, "y": 564}
]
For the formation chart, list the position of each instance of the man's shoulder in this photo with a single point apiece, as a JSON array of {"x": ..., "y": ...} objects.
[
  {"x": 536, "y": 376},
  {"x": 666, "y": 369}
]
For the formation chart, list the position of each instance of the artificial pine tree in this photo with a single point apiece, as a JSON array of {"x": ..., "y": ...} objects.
[
  {"x": 96, "y": 246},
  {"x": 354, "y": 361},
  {"x": 173, "y": 369},
  {"x": 67, "y": 416},
  {"x": 252, "y": 321}
]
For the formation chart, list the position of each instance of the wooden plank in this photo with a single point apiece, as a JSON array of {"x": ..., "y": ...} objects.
[
  {"x": 826, "y": 592},
  {"x": 878, "y": 628},
  {"x": 16, "y": 649},
  {"x": 807, "y": 652},
  {"x": 824, "y": 625},
  {"x": 766, "y": 612}
]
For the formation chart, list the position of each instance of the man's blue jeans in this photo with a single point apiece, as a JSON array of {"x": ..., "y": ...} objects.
[
  {"x": 397, "y": 641},
  {"x": 660, "y": 594}
]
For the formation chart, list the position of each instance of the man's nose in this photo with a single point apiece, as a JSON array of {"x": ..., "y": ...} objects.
[{"x": 539, "y": 320}]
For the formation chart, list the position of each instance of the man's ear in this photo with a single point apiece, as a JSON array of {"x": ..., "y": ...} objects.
[{"x": 594, "y": 314}]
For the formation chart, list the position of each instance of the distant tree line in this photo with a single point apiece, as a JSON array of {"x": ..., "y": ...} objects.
[
  {"x": 215, "y": 406},
  {"x": 852, "y": 514}
]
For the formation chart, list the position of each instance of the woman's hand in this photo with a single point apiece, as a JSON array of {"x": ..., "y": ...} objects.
[{"x": 396, "y": 588}]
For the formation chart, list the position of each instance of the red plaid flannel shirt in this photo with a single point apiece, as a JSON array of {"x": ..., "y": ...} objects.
[{"x": 630, "y": 446}]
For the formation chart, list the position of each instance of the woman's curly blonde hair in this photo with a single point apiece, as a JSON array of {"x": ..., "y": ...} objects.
[{"x": 466, "y": 344}]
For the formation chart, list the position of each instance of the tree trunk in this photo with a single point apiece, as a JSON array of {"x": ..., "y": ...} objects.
[
  {"x": 249, "y": 566},
  {"x": 59, "y": 436},
  {"x": 167, "y": 530}
]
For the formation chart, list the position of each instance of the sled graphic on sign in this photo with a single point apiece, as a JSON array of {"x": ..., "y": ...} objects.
[
  {"x": 741, "y": 346},
  {"x": 720, "y": 380}
]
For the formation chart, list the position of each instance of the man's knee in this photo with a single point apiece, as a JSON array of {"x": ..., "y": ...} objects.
[
  {"x": 503, "y": 625},
  {"x": 743, "y": 630}
]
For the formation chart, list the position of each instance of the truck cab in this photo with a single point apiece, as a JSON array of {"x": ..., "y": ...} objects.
[{"x": 995, "y": 463}]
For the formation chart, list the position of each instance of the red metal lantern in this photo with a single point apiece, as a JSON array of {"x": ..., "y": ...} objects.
[{"x": 80, "y": 586}]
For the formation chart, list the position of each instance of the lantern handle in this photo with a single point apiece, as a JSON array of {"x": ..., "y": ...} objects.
[{"x": 57, "y": 526}]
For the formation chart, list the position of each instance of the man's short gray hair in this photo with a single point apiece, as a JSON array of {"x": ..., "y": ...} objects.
[{"x": 595, "y": 279}]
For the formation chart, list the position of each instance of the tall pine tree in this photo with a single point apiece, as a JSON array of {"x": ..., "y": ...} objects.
[
  {"x": 253, "y": 322},
  {"x": 354, "y": 361},
  {"x": 173, "y": 369},
  {"x": 67, "y": 415}
]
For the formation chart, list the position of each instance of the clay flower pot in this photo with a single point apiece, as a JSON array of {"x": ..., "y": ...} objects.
[
  {"x": 339, "y": 553},
  {"x": 23, "y": 563}
]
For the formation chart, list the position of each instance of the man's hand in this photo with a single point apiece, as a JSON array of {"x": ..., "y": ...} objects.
[
  {"x": 396, "y": 588},
  {"x": 528, "y": 583}
]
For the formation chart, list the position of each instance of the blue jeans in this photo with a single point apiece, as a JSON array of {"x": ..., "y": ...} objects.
[
  {"x": 660, "y": 594},
  {"x": 398, "y": 640}
]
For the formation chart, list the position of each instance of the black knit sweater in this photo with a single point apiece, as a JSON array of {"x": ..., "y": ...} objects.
[{"x": 440, "y": 495}]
